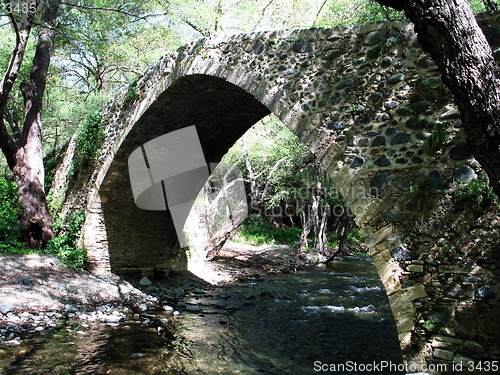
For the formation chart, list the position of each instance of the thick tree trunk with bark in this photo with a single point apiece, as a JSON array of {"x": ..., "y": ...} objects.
[
  {"x": 219, "y": 239},
  {"x": 23, "y": 150},
  {"x": 449, "y": 32},
  {"x": 29, "y": 176}
]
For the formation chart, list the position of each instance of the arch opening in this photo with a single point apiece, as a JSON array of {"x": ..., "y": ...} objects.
[{"x": 222, "y": 112}]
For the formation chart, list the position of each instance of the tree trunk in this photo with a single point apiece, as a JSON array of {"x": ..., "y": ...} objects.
[
  {"x": 321, "y": 239},
  {"x": 218, "y": 240},
  {"x": 24, "y": 150},
  {"x": 252, "y": 179},
  {"x": 450, "y": 33},
  {"x": 29, "y": 176},
  {"x": 307, "y": 223}
]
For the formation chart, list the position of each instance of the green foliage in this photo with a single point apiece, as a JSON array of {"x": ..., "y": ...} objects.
[
  {"x": 447, "y": 250},
  {"x": 102, "y": 48},
  {"x": 432, "y": 326},
  {"x": 49, "y": 164},
  {"x": 355, "y": 12},
  {"x": 255, "y": 230},
  {"x": 353, "y": 237},
  {"x": 436, "y": 139},
  {"x": 10, "y": 230},
  {"x": 273, "y": 151},
  {"x": 88, "y": 142},
  {"x": 131, "y": 94},
  {"x": 64, "y": 244},
  {"x": 477, "y": 6},
  {"x": 477, "y": 191}
]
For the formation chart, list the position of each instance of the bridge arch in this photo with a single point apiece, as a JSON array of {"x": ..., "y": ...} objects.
[{"x": 363, "y": 100}]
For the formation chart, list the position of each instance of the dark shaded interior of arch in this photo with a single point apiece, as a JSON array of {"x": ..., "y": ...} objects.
[{"x": 222, "y": 113}]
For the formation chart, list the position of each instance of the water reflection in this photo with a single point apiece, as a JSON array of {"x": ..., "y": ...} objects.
[
  {"x": 283, "y": 324},
  {"x": 280, "y": 325}
]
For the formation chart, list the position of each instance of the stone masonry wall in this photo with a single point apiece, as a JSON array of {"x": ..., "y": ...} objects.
[{"x": 367, "y": 101}]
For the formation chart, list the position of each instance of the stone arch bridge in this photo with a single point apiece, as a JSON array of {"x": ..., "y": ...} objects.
[{"x": 367, "y": 101}]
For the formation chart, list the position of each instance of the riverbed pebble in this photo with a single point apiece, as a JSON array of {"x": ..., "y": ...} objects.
[
  {"x": 168, "y": 309},
  {"x": 12, "y": 343}
]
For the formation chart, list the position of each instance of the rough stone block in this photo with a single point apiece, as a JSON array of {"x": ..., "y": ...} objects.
[
  {"x": 404, "y": 311},
  {"x": 441, "y": 344},
  {"x": 379, "y": 236},
  {"x": 399, "y": 300},
  {"x": 390, "y": 278},
  {"x": 382, "y": 259},
  {"x": 448, "y": 339},
  {"x": 415, "y": 292},
  {"x": 404, "y": 339},
  {"x": 443, "y": 354},
  {"x": 405, "y": 325},
  {"x": 392, "y": 284},
  {"x": 451, "y": 269},
  {"x": 473, "y": 346},
  {"x": 415, "y": 268}
]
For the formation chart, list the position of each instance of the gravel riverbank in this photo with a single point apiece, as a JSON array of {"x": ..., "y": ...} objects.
[{"x": 37, "y": 293}]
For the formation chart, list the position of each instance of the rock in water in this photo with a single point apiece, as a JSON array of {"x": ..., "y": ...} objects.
[{"x": 145, "y": 281}]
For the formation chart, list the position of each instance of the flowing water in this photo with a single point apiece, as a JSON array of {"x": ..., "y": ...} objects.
[{"x": 282, "y": 324}]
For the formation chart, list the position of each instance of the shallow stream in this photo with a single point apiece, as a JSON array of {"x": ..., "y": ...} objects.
[{"x": 282, "y": 324}]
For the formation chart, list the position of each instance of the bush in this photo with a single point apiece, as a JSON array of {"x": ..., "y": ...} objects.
[
  {"x": 478, "y": 191},
  {"x": 64, "y": 245},
  {"x": 436, "y": 139},
  {"x": 88, "y": 142},
  {"x": 432, "y": 326},
  {"x": 353, "y": 241},
  {"x": 50, "y": 167},
  {"x": 257, "y": 231},
  {"x": 10, "y": 230},
  {"x": 132, "y": 94}
]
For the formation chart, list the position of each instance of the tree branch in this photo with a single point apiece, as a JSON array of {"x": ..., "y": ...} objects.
[
  {"x": 199, "y": 29},
  {"x": 269, "y": 176},
  {"x": 11, "y": 119},
  {"x": 104, "y": 9},
  {"x": 395, "y": 4},
  {"x": 319, "y": 11},
  {"x": 22, "y": 34},
  {"x": 22, "y": 31},
  {"x": 267, "y": 6},
  {"x": 34, "y": 90}
]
